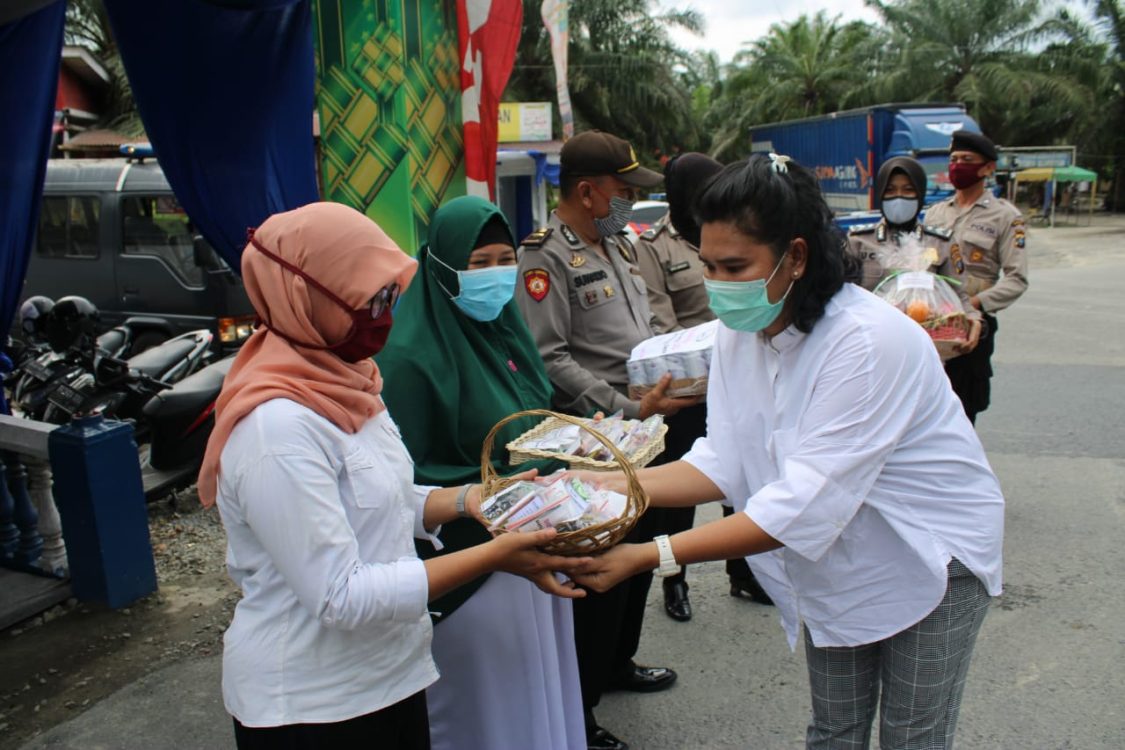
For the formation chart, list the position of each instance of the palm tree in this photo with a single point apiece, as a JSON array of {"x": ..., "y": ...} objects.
[
  {"x": 806, "y": 67},
  {"x": 626, "y": 75},
  {"x": 1110, "y": 16},
  {"x": 979, "y": 52}
]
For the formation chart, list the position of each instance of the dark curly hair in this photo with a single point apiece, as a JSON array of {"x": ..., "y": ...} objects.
[{"x": 774, "y": 208}]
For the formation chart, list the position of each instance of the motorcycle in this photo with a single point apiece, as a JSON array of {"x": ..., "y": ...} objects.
[
  {"x": 180, "y": 420},
  {"x": 98, "y": 383},
  {"x": 171, "y": 421}
]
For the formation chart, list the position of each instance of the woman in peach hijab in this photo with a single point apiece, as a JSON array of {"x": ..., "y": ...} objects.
[{"x": 330, "y": 643}]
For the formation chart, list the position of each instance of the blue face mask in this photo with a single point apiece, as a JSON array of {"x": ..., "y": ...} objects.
[
  {"x": 745, "y": 305},
  {"x": 484, "y": 291}
]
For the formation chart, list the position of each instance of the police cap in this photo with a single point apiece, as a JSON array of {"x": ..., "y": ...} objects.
[
  {"x": 593, "y": 153},
  {"x": 964, "y": 140}
]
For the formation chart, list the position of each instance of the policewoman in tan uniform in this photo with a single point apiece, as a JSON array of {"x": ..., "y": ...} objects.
[
  {"x": 585, "y": 302},
  {"x": 901, "y": 185},
  {"x": 991, "y": 236}
]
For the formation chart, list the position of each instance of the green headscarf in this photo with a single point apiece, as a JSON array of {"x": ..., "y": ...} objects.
[{"x": 447, "y": 379}]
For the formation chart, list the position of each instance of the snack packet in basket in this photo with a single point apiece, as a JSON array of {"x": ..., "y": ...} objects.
[
  {"x": 610, "y": 427},
  {"x": 547, "y": 497},
  {"x": 561, "y": 501},
  {"x": 641, "y": 434},
  {"x": 497, "y": 508},
  {"x": 563, "y": 439}
]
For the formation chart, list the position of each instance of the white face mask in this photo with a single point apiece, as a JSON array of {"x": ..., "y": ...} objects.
[{"x": 900, "y": 211}]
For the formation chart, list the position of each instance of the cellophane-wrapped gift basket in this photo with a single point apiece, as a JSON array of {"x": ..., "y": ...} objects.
[{"x": 926, "y": 297}]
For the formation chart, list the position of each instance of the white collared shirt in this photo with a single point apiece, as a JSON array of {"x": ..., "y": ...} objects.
[
  {"x": 320, "y": 525},
  {"x": 849, "y": 447}
]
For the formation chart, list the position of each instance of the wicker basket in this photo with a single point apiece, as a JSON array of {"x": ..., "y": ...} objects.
[
  {"x": 591, "y": 539},
  {"x": 640, "y": 458}
]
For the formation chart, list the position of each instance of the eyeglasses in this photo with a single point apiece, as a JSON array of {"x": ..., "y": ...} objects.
[{"x": 383, "y": 299}]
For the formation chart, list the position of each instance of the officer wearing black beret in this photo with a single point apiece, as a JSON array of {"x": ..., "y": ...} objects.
[{"x": 990, "y": 235}]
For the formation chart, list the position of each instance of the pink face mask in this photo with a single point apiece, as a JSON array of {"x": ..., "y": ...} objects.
[{"x": 370, "y": 326}]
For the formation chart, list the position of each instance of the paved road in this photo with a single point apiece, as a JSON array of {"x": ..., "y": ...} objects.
[{"x": 1048, "y": 668}]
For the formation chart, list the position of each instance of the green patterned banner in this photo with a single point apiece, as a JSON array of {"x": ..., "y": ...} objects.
[{"x": 389, "y": 99}]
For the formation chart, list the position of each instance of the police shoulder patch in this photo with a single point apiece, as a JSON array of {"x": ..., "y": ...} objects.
[
  {"x": 863, "y": 229},
  {"x": 537, "y": 238},
  {"x": 940, "y": 232}
]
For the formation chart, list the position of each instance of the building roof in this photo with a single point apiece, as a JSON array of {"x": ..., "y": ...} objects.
[
  {"x": 89, "y": 140},
  {"x": 84, "y": 65}
]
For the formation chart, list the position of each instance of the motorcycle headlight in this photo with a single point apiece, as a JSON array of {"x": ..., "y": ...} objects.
[{"x": 236, "y": 330}]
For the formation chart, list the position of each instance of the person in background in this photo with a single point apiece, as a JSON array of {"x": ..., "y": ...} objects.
[
  {"x": 330, "y": 644},
  {"x": 863, "y": 497},
  {"x": 991, "y": 237},
  {"x": 668, "y": 256},
  {"x": 460, "y": 359},
  {"x": 901, "y": 186},
  {"x": 584, "y": 300}
]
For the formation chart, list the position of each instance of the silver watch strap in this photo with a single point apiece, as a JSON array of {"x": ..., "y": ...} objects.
[{"x": 461, "y": 496}]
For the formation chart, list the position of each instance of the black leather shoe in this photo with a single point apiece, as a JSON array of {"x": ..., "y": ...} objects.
[
  {"x": 645, "y": 680},
  {"x": 603, "y": 739},
  {"x": 676, "y": 602},
  {"x": 749, "y": 588}
]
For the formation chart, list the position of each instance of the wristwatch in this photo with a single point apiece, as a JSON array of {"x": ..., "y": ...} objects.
[
  {"x": 668, "y": 564},
  {"x": 460, "y": 504}
]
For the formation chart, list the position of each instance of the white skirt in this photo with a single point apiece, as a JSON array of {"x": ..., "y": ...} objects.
[{"x": 509, "y": 674}]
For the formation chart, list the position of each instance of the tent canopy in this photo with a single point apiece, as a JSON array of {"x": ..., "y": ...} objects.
[{"x": 1060, "y": 174}]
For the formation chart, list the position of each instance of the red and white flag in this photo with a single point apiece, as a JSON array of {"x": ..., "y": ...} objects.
[{"x": 489, "y": 32}]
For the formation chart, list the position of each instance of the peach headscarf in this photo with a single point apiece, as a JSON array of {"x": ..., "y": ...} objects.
[{"x": 353, "y": 258}]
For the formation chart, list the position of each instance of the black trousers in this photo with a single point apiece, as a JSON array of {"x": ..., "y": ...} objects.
[
  {"x": 971, "y": 374},
  {"x": 683, "y": 430},
  {"x": 403, "y": 726},
  {"x": 607, "y": 627}
]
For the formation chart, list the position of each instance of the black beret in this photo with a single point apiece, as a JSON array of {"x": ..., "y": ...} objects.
[{"x": 964, "y": 140}]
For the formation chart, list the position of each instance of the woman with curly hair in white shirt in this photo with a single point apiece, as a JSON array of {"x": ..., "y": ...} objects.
[{"x": 867, "y": 509}]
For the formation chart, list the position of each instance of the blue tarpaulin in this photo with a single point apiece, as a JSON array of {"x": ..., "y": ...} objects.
[
  {"x": 29, "y": 74},
  {"x": 225, "y": 91}
]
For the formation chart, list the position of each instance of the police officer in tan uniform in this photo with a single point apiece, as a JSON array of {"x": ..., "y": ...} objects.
[
  {"x": 901, "y": 185},
  {"x": 668, "y": 256},
  {"x": 991, "y": 237},
  {"x": 585, "y": 302}
]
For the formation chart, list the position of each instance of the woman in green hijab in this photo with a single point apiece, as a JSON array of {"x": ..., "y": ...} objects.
[{"x": 460, "y": 359}]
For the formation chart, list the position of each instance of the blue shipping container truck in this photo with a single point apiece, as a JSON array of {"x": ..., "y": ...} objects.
[{"x": 846, "y": 149}]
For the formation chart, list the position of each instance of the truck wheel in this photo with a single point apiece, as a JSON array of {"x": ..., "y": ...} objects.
[{"x": 146, "y": 341}]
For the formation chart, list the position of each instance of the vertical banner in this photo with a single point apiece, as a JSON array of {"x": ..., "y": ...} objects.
[
  {"x": 556, "y": 17},
  {"x": 389, "y": 97},
  {"x": 489, "y": 34}
]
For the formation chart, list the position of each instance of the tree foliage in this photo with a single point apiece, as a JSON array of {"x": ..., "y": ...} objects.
[
  {"x": 626, "y": 76},
  {"x": 87, "y": 25}
]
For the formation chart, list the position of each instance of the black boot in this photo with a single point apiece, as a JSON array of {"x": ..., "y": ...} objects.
[{"x": 676, "y": 602}]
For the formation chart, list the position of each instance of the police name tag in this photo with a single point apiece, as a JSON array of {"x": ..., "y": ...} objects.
[{"x": 916, "y": 280}]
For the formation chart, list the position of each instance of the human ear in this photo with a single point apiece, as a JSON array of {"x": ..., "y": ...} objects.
[{"x": 798, "y": 258}]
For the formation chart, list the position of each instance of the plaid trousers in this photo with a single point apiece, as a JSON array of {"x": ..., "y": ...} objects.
[{"x": 921, "y": 672}]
